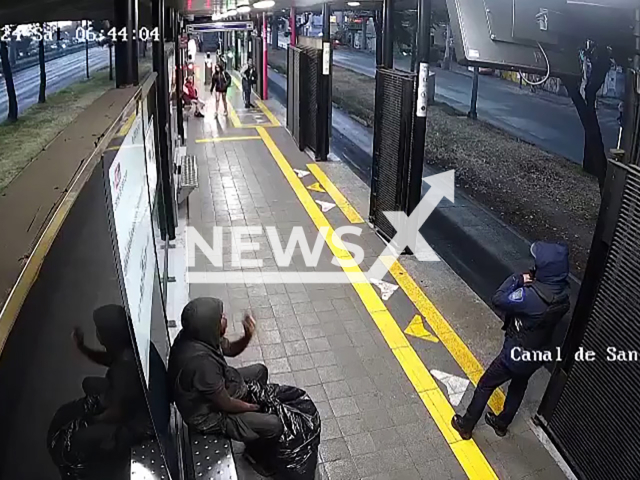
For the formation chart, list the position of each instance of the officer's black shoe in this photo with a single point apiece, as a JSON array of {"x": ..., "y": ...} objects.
[
  {"x": 456, "y": 423},
  {"x": 493, "y": 422}
]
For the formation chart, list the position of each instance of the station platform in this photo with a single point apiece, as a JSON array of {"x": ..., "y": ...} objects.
[{"x": 387, "y": 363}]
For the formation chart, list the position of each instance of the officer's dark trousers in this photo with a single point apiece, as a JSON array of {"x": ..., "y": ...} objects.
[
  {"x": 497, "y": 374},
  {"x": 252, "y": 426}
]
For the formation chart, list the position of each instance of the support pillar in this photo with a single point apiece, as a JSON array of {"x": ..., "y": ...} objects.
[
  {"x": 387, "y": 34},
  {"x": 126, "y": 16},
  {"x": 446, "y": 64},
  {"x": 265, "y": 58},
  {"x": 236, "y": 41},
  {"x": 292, "y": 27},
  {"x": 169, "y": 24},
  {"x": 423, "y": 42},
  {"x": 86, "y": 47},
  {"x": 377, "y": 23},
  {"x": 165, "y": 163},
  {"x": 324, "y": 90},
  {"x": 274, "y": 32},
  {"x": 473, "y": 112},
  {"x": 179, "y": 54},
  {"x": 363, "y": 41}
]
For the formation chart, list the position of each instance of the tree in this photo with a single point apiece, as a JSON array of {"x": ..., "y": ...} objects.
[
  {"x": 8, "y": 74},
  {"x": 597, "y": 61},
  {"x": 43, "y": 71}
]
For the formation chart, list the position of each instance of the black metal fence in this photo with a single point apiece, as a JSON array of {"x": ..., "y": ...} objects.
[
  {"x": 293, "y": 95},
  {"x": 392, "y": 143},
  {"x": 304, "y": 96},
  {"x": 589, "y": 408},
  {"x": 258, "y": 61}
]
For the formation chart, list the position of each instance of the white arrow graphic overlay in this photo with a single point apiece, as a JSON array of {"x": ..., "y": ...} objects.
[
  {"x": 408, "y": 234},
  {"x": 301, "y": 173},
  {"x": 326, "y": 206},
  {"x": 386, "y": 288},
  {"x": 456, "y": 386}
]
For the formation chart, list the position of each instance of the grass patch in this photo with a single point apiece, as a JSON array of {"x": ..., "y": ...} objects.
[
  {"x": 352, "y": 92},
  {"x": 277, "y": 60},
  {"x": 22, "y": 141},
  {"x": 355, "y": 94}
]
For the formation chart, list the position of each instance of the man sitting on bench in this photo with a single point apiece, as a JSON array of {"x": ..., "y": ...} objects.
[{"x": 210, "y": 394}]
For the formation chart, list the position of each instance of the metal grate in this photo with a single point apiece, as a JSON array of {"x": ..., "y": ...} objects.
[
  {"x": 188, "y": 180},
  {"x": 290, "y": 88},
  {"x": 294, "y": 99},
  {"x": 257, "y": 60},
  {"x": 391, "y": 147},
  {"x": 310, "y": 85},
  {"x": 596, "y": 420}
]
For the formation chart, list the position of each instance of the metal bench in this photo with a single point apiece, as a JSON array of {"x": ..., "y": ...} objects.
[
  {"x": 211, "y": 458},
  {"x": 147, "y": 462},
  {"x": 187, "y": 176}
]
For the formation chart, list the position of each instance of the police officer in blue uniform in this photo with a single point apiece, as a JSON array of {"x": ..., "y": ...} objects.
[{"x": 532, "y": 304}]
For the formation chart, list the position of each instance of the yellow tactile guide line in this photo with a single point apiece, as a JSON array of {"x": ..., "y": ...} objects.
[
  {"x": 449, "y": 338},
  {"x": 352, "y": 215},
  {"x": 467, "y": 452}
]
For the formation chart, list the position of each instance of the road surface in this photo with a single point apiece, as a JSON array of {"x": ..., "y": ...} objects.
[
  {"x": 544, "y": 119},
  {"x": 61, "y": 72}
]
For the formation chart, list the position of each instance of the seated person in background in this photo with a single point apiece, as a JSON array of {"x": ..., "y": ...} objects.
[
  {"x": 191, "y": 96},
  {"x": 210, "y": 394}
]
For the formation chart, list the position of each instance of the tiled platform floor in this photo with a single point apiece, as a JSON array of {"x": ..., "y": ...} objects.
[{"x": 320, "y": 337}]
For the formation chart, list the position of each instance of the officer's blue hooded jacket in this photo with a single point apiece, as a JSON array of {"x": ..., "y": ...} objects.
[{"x": 531, "y": 311}]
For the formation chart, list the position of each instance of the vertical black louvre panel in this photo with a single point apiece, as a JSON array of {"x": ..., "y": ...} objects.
[
  {"x": 258, "y": 60},
  {"x": 391, "y": 147},
  {"x": 596, "y": 420},
  {"x": 294, "y": 102},
  {"x": 290, "y": 87},
  {"x": 310, "y": 83}
]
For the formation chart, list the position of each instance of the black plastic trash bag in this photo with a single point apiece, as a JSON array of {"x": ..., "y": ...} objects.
[
  {"x": 68, "y": 420},
  {"x": 296, "y": 452},
  {"x": 85, "y": 450}
]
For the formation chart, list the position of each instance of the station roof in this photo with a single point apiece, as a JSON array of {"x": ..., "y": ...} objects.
[{"x": 33, "y": 11}]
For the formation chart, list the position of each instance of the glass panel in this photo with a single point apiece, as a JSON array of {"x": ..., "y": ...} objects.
[
  {"x": 133, "y": 228},
  {"x": 72, "y": 402}
]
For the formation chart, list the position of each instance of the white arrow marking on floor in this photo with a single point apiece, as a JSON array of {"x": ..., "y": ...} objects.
[
  {"x": 326, "y": 206},
  {"x": 456, "y": 386},
  {"x": 386, "y": 288},
  {"x": 301, "y": 173}
]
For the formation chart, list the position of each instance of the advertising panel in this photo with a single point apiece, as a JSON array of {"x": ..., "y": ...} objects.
[{"x": 132, "y": 215}]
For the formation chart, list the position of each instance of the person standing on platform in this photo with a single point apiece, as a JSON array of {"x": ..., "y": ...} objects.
[
  {"x": 220, "y": 84},
  {"x": 249, "y": 79},
  {"x": 533, "y": 304}
]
